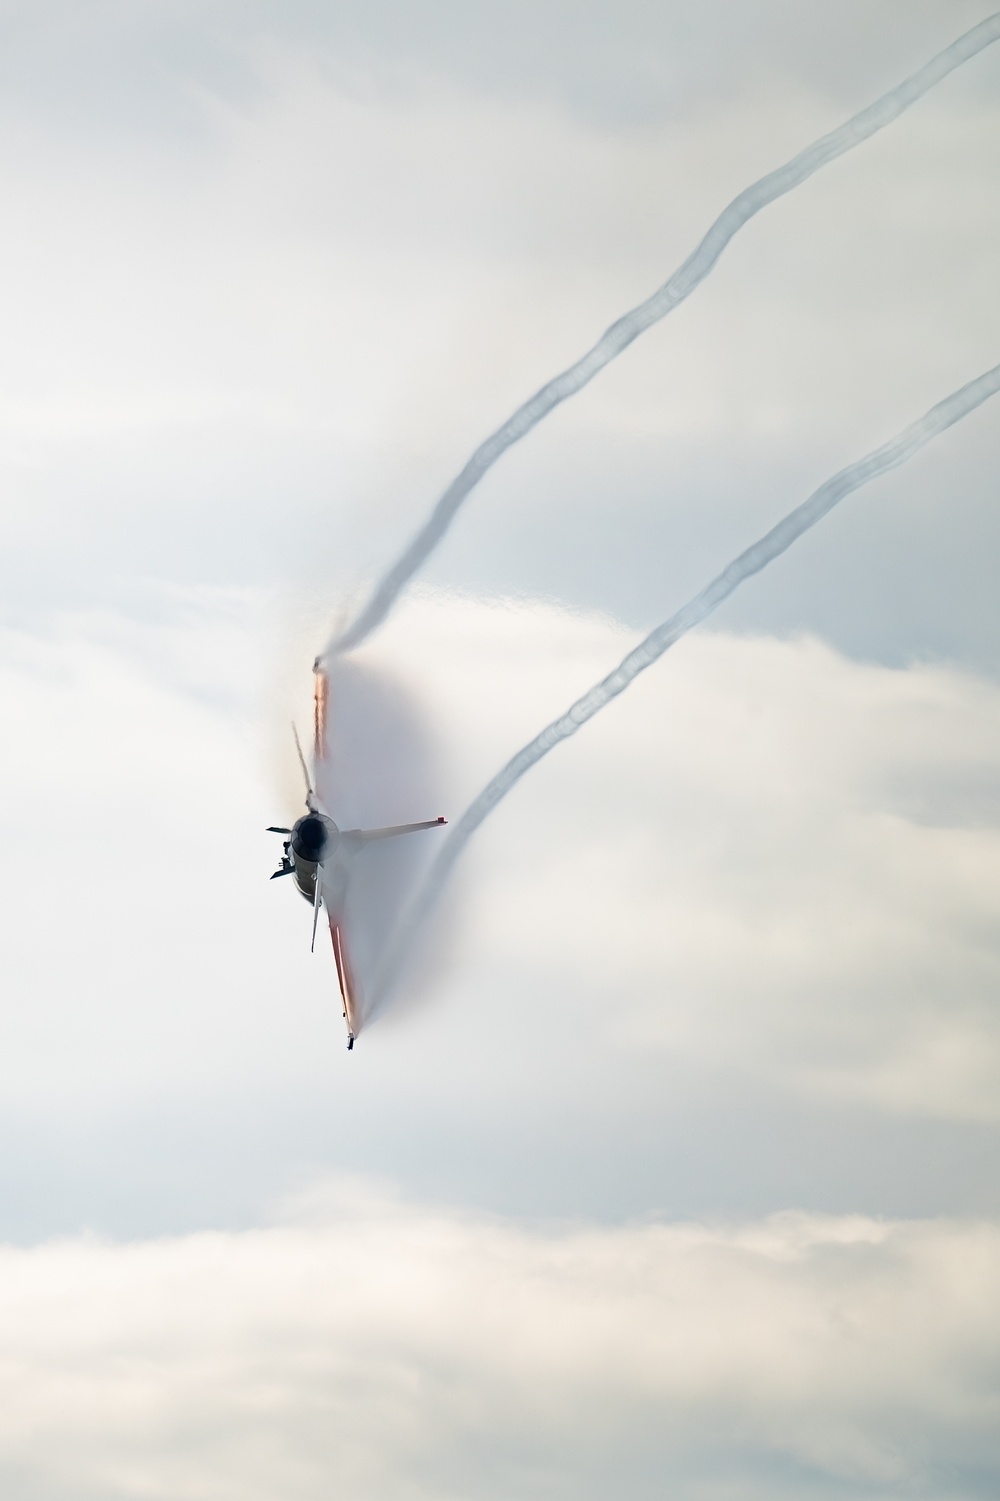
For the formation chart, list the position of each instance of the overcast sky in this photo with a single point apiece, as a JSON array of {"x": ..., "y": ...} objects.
[{"x": 674, "y": 1170}]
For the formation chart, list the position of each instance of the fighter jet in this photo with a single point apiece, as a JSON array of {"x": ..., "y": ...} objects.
[{"x": 319, "y": 855}]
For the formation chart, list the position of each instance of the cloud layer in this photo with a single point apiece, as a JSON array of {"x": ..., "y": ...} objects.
[
  {"x": 266, "y": 276},
  {"x": 386, "y": 1351},
  {"x": 787, "y": 877},
  {"x": 752, "y": 910}
]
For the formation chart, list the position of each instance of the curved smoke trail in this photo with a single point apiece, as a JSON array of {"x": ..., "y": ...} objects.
[
  {"x": 763, "y": 552},
  {"x": 673, "y": 292}
]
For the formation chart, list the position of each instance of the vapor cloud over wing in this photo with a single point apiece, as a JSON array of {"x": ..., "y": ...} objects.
[
  {"x": 380, "y": 768},
  {"x": 764, "y": 551},
  {"x": 673, "y": 292}
]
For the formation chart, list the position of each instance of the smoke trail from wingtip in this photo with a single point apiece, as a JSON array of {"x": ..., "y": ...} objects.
[
  {"x": 755, "y": 558},
  {"x": 673, "y": 292}
]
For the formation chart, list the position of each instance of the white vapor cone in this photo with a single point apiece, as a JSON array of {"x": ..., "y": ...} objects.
[
  {"x": 673, "y": 292},
  {"x": 753, "y": 560},
  {"x": 380, "y": 768}
]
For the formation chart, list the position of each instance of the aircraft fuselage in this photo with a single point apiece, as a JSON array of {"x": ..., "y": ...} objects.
[
  {"x": 315, "y": 841},
  {"x": 317, "y": 854}
]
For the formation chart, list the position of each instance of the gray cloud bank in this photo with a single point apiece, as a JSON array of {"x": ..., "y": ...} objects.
[
  {"x": 108, "y": 64},
  {"x": 262, "y": 280},
  {"x": 678, "y": 287}
]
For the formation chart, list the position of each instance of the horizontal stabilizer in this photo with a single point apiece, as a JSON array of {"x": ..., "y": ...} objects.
[
  {"x": 317, "y": 903},
  {"x": 272, "y": 828},
  {"x": 366, "y": 836}
]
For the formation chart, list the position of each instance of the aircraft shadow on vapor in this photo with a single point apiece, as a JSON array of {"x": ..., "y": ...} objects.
[{"x": 319, "y": 855}]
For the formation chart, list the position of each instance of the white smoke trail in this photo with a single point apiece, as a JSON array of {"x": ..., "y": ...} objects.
[
  {"x": 673, "y": 292},
  {"x": 763, "y": 552}
]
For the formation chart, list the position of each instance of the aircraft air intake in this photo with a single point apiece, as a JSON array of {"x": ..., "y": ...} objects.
[{"x": 314, "y": 838}]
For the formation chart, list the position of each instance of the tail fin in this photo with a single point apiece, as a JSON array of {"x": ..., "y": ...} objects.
[{"x": 311, "y": 803}]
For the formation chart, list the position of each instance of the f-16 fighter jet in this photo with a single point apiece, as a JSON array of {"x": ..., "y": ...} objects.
[{"x": 319, "y": 856}]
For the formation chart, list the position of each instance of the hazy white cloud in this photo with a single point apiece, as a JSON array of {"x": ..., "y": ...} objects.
[
  {"x": 766, "y": 858},
  {"x": 384, "y": 1350},
  {"x": 766, "y": 861}
]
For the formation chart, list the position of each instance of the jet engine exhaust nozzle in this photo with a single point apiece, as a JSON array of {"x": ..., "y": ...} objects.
[{"x": 314, "y": 838}]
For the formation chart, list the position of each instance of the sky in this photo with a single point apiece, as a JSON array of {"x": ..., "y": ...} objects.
[{"x": 672, "y": 1168}]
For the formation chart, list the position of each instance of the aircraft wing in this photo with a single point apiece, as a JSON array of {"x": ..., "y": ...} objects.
[
  {"x": 344, "y": 975},
  {"x": 366, "y": 836}
]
